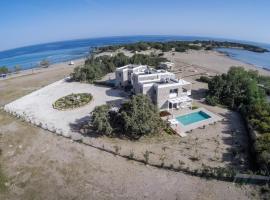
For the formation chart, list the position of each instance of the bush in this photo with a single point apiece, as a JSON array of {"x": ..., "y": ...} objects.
[
  {"x": 3, "y": 70},
  {"x": 204, "y": 79},
  {"x": 72, "y": 101},
  {"x": 180, "y": 49},
  {"x": 137, "y": 117},
  {"x": 194, "y": 107},
  {"x": 100, "y": 120},
  {"x": 263, "y": 149},
  {"x": 44, "y": 63},
  {"x": 240, "y": 90},
  {"x": 140, "y": 117},
  {"x": 212, "y": 101}
]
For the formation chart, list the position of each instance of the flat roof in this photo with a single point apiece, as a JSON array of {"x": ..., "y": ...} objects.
[
  {"x": 180, "y": 99},
  {"x": 130, "y": 66}
]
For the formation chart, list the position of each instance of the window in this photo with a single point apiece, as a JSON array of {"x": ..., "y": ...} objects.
[
  {"x": 173, "y": 91},
  {"x": 119, "y": 74}
]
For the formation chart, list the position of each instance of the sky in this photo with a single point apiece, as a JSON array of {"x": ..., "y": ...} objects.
[{"x": 27, "y": 22}]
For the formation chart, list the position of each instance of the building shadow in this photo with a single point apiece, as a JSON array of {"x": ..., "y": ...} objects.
[{"x": 116, "y": 93}]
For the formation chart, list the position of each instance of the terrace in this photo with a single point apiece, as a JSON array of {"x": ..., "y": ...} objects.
[{"x": 186, "y": 120}]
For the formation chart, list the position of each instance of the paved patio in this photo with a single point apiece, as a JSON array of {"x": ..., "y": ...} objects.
[
  {"x": 181, "y": 129},
  {"x": 37, "y": 109}
]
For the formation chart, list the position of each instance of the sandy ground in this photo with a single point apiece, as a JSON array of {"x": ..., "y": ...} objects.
[
  {"x": 208, "y": 61},
  {"x": 43, "y": 166},
  {"x": 25, "y": 82},
  {"x": 53, "y": 67}
]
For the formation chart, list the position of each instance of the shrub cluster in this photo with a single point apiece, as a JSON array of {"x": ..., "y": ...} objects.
[
  {"x": 239, "y": 90},
  {"x": 182, "y": 46},
  {"x": 3, "y": 70},
  {"x": 204, "y": 79},
  {"x": 137, "y": 117},
  {"x": 72, "y": 101}
]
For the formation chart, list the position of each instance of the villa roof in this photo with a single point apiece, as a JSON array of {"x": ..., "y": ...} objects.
[
  {"x": 183, "y": 82},
  {"x": 130, "y": 66},
  {"x": 180, "y": 99}
]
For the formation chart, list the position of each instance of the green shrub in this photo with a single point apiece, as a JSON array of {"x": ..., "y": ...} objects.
[
  {"x": 211, "y": 100},
  {"x": 263, "y": 149},
  {"x": 180, "y": 49},
  {"x": 3, "y": 180},
  {"x": 100, "y": 120},
  {"x": 204, "y": 79},
  {"x": 137, "y": 117},
  {"x": 194, "y": 107},
  {"x": 240, "y": 90},
  {"x": 72, "y": 101},
  {"x": 140, "y": 116},
  {"x": 3, "y": 70}
]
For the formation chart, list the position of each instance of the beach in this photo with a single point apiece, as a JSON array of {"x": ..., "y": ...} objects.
[{"x": 211, "y": 61}]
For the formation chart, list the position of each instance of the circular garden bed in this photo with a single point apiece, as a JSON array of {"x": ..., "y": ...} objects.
[{"x": 72, "y": 101}]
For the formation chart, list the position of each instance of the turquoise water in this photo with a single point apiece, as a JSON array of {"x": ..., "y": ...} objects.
[
  {"x": 192, "y": 118},
  {"x": 258, "y": 59}
]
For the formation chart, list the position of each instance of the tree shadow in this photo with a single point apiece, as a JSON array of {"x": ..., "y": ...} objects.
[{"x": 199, "y": 94}]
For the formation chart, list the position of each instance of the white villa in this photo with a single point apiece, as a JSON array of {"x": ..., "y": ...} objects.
[{"x": 161, "y": 86}]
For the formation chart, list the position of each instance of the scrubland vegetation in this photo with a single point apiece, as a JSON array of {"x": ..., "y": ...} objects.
[
  {"x": 182, "y": 46},
  {"x": 241, "y": 90},
  {"x": 137, "y": 117}
]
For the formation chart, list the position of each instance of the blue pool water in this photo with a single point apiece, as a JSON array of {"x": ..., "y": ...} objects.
[{"x": 192, "y": 118}]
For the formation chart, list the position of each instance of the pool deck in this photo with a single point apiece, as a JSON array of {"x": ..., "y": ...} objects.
[{"x": 181, "y": 129}]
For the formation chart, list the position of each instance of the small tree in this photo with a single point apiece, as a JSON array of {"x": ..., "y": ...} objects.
[
  {"x": 3, "y": 70},
  {"x": 140, "y": 117},
  {"x": 101, "y": 120}
]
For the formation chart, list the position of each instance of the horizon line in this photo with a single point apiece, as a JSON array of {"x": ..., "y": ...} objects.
[{"x": 137, "y": 35}]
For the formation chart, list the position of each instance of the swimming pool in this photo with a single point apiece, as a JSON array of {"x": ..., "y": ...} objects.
[{"x": 192, "y": 118}]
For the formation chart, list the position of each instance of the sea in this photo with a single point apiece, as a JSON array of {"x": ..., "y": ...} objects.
[{"x": 30, "y": 56}]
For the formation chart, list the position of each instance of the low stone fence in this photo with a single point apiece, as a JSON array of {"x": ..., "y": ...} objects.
[{"x": 149, "y": 158}]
